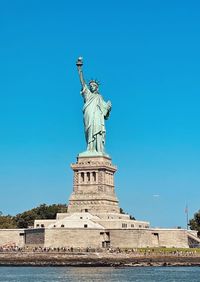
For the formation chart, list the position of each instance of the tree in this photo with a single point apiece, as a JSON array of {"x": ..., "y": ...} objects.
[
  {"x": 44, "y": 211},
  {"x": 7, "y": 222},
  {"x": 194, "y": 223},
  {"x": 123, "y": 212}
]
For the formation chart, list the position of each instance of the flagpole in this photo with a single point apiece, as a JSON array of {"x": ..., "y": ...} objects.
[{"x": 186, "y": 211}]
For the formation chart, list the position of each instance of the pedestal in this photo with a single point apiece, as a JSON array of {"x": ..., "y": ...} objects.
[{"x": 93, "y": 187}]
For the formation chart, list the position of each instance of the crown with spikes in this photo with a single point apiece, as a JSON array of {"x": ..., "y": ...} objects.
[{"x": 94, "y": 81}]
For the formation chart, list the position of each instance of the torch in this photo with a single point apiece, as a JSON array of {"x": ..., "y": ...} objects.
[{"x": 79, "y": 62}]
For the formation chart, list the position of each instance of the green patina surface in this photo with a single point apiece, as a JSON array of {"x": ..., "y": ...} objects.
[{"x": 95, "y": 112}]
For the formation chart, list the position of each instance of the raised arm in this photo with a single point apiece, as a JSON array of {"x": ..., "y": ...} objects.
[{"x": 79, "y": 64}]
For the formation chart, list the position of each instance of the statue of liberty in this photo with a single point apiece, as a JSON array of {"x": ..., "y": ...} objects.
[{"x": 95, "y": 112}]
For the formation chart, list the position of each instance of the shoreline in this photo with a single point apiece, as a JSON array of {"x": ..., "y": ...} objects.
[{"x": 95, "y": 260}]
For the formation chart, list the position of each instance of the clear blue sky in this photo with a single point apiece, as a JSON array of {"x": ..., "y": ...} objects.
[{"x": 147, "y": 56}]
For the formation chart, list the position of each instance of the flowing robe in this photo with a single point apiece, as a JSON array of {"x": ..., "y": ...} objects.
[{"x": 95, "y": 111}]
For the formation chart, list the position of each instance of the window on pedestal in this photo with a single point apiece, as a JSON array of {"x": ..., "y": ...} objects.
[
  {"x": 82, "y": 176},
  {"x": 94, "y": 176},
  {"x": 88, "y": 177}
]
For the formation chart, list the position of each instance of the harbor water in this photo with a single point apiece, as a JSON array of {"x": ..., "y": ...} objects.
[{"x": 136, "y": 274}]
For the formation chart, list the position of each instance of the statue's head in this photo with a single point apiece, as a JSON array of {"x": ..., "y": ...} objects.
[{"x": 94, "y": 85}]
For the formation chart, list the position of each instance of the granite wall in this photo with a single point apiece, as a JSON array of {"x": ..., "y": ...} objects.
[
  {"x": 11, "y": 237},
  {"x": 116, "y": 238}
]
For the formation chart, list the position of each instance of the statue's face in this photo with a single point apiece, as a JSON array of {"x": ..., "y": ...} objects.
[{"x": 93, "y": 87}]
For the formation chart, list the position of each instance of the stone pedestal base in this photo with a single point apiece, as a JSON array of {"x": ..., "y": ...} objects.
[{"x": 93, "y": 188}]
